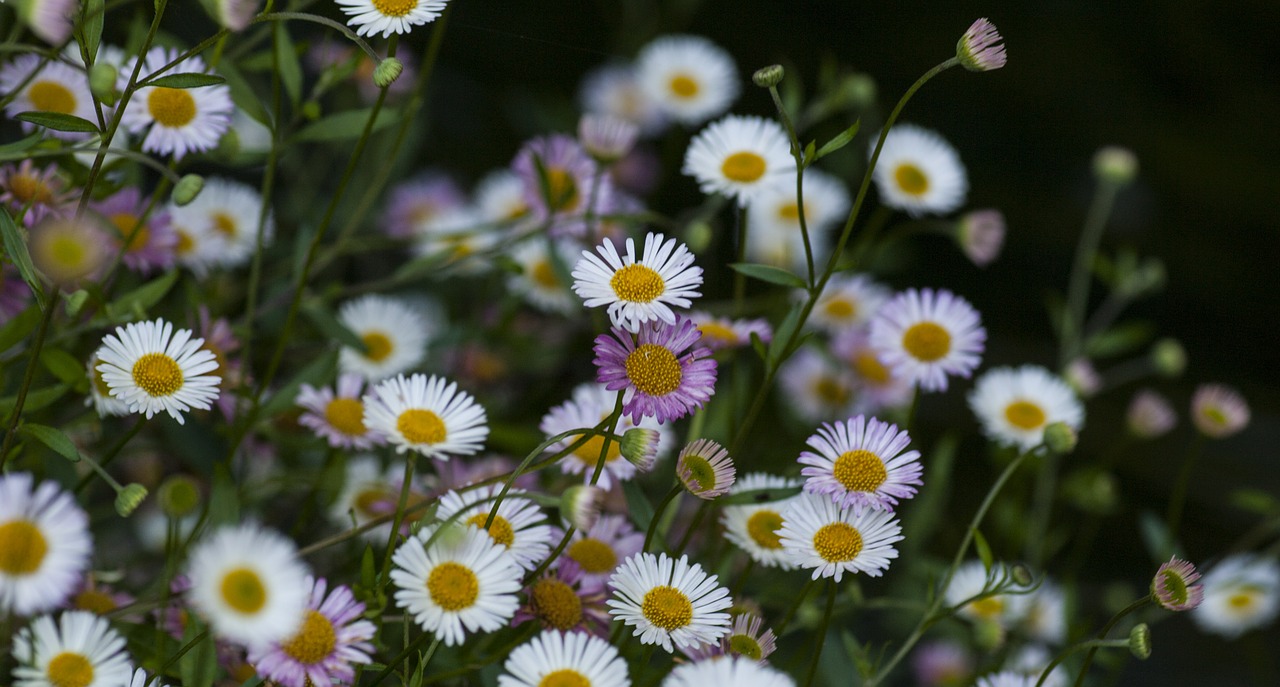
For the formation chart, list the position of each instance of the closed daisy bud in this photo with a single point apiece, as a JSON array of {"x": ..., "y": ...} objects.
[
  {"x": 129, "y": 498},
  {"x": 187, "y": 188},
  {"x": 102, "y": 81},
  {"x": 1140, "y": 641},
  {"x": 67, "y": 252},
  {"x": 387, "y": 72},
  {"x": 580, "y": 505},
  {"x": 606, "y": 138},
  {"x": 980, "y": 234},
  {"x": 1219, "y": 411},
  {"x": 766, "y": 77},
  {"x": 640, "y": 447},
  {"x": 1172, "y": 588},
  {"x": 1115, "y": 165},
  {"x": 979, "y": 49},
  {"x": 1060, "y": 438},
  {"x": 1150, "y": 415},
  {"x": 705, "y": 469},
  {"x": 1169, "y": 358},
  {"x": 178, "y": 496}
]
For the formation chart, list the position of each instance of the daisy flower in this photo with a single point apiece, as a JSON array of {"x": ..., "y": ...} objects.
[
  {"x": 1014, "y": 405},
  {"x": 539, "y": 281},
  {"x": 861, "y": 464},
  {"x": 79, "y": 648},
  {"x": 499, "y": 198},
  {"x": 464, "y": 579},
  {"x": 590, "y": 404},
  {"x": 1172, "y": 586},
  {"x": 972, "y": 579},
  {"x": 1241, "y": 593},
  {"x": 176, "y": 120},
  {"x": 614, "y": 89},
  {"x": 1218, "y": 411},
  {"x": 598, "y": 551},
  {"x": 44, "y": 545},
  {"x": 563, "y": 599},
  {"x": 100, "y": 396},
  {"x": 720, "y": 333},
  {"x": 412, "y": 203},
  {"x": 690, "y": 78},
  {"x": 140, "y": 679},
  {"x": 606, "y": 138},
  {"x": 369, "y": 492},
  {"x": 55, "y": 87},
  {"x": 816, "y": 388},
  {"x": 818, "y": 534},
  {"x": 394, "y": 333},
  {"x": 876, "y": 386},
  {"x": 739, "y": 671},
  {"x": 41, "y": 192},
  {"x": 68, "y": 251},
  {"x": 337, "y": 414},
  {"x": 51, "y": 20},
  {"x": 847, "y": 301},
  {"x": 942, "y": 662},
  {"x": 1150, "y": 415},
  {"x": 638, "y": 291},
  {"x": 738, "y": 156},
  {"x": 705, "y": 469},
  {"x": 745, "y": 638},
  {"x": 151, "y": 245},
  {"x": 99, "y": 598},
  {"x": 249, "y": 584},
  {"x": 980, "y": 49},
  {"x": 663, "y": 370},
  {"x": 226, "y": 213},
  {"x": 371, "y": 17},
  {"x": 519, "y": 526},
  {"x": 919, "y": 173},
  {"x": 333, "y": 637},
  {"x": 754, "y": 527},
  {"x": 1045, "y": 617},
  {"x": 560, "y": 183},
  {"x": 774, "y": 217},
  {"x": 669, "y": 601},
  {"x": 557, "y": 658},
  {"x": 428, "y": 415},
  {"x": 926, "y": 335},
  {"x": 198, "y": 247},
  {"x": 155, "y": 369},
  {"x": 980, "y": 234}
]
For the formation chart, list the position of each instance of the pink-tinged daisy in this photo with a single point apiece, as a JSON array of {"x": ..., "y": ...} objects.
[
  {"x": 831, "y": 540},
  {"x": 876, "y": 386},
  {"x": 738, "y": 671},
  {"x": 848, "y": 300},
  {"x": 669, "y": 602},
  {"x": 322, "y": 653},
  {"x": 980, "y": 234},
  {"x": 499, "y": 199},
  {"x": 428, "y": 415},
  {"x": 942, "y": 662},
  {"x": 148, "y": 246},
  {"x": 1150, "y": 415},
  {"x": 177, "y": 121},
  {"x": 519, "y": 526},
  {"x": 926, "y": 335},
  {"x": 51, "y": 20},
  {"x": 590, "y": 404},
  {"x": 558, "y": 659},
  {"x": 563, "y": 599},
  {"x": 1172, "y": 586},
  {"x": 44, "y": 545},
  {"x": 40, "y": 192},
  {"x": 861, "y": 464},
  {"x": 156, "y": 369},
  {"x": 598, "y": 551},
  {"x": 1218, "y": 411},
  {"x": 395, "y": 334},
  {"x": 980, "y": 48},
  {"x": 560, "y": 183},
  {"x": 705, "y": 469},
  {"x": 739, "y": 157},
  {"x": 746, "y": 639},
  {"x": 413, "y": 202},
  {"x": 690, "y": 78},
  {"x": 1015, "y": 405},
  {"x": 337, "y": 414},
  {"x": 79, "y": 648},
  {"x": 98, "y": 598},
  {"x": 641, "y": 290},
  {"x": 606, "y": 138},
  {"x": 54, "y": 87},
  {"x": 753, "y": 527},
  {"x": 919, "y": 173},
  {"x": 720, "y": 333},
  {"x": 15, "y": 295},
  {"x": 817, "y": 389},
  {"x": 371, "y": 17},
  {"x": 613, "y": 89},
  {"x": 664, "y": 371}
]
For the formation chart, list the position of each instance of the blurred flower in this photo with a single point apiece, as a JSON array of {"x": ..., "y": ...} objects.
[
  {"x": 719, "y": 333},
  {"x": 580, "y": 505},
  {"x": 15, "y": 295},
  {"x": 980, "y": 234},
  {"x": 556, "y": 658},
  {"x": 226, "y": 214},
  {"x": 560, "y": 183},
  {"x": 1045, "y": 618},
  {"x": 1015, "y": 405},
  {"x": 738, "y": 156},
  {"x": 50, "y": 20},
  {"x": 847, "y": 301},
  {"x": 68, "y": 252},
  {"x": 590, "y": 404},
  {"x": 177, "y": 121},
  {"x": 817, "y": 389},
  {"x": 1172, "y": 586},
  {"x": 413, "y": 203},
  {"x": 221, "y": 342},
  {"x": 669, "y": 602},
  {"x": 754, "y": 527},
  {"x": 539, "y": 281},
  {"x": 1115, "y": 165},
  {"x": 232, "y": 14},
  {"x": 500, "y": 199},
  {"x": 79, "y": 648},
  {"x": 1241, "y": 593},
  {"x": 337, "y": 414},
  {"x": 734, "y": 670},
  {"x": 1083, "y": 377},
  {"x": 519, "y": 525},
  {"x": 44, "y": 545},
  {"x": 37, "y": 85},
  {"x": 331, "y": 639},
  {"x": 926, "y": 335},
  {"x": 690, "y": 78},
  {"x": 154, "y": 369},
  {"x": 705, "y": 469},
  {"x": 919, "y": 173},
  {"x": 41, "y": 192},
  {"x": 745, "y": 638},
  {"x": 1150, "y": 415},
  {"x": 104, "y": 404},
  {"x": 665, "y": 371},
  {"x": 942, "y": 663},
  {"x": 148, "y": 246},
  {"x": 369, "y": 492},
  {"x": 1218, "y": 411},
  {"x": 979, "y": 49},
  {"x": 370, "y": 17},
  {"x": 429, "y": 416},
  {"x": 1001, "y": 609},
  {"x": 638, "y": 290},
  {"x": 598, "y": 550},
  {"x": 395, "y": 335},
  {"x": 774, "y": 217},
  {"x": 562, "y": 599},
  {"x": 862, "y": 464},
  {"x": 613, "y": 89},
  {"x": 876, "y": 387},
  {"x": 1007, "y": 679},
  {"x": 606, "y": 138}
]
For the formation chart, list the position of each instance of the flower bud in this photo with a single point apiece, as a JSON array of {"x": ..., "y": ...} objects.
[
  {"x": 1060, "y": 438},
  {"x": 979, "y": 49},
  {"x": 1115, "y": 165},
  {"x": 581, "y": 504},
  {"x": 187, "y": 188},
  {"x": 767, "y": 77},
  {"x": 130, "y": 498},
  {"x": 102, "y": 82},
  {"x": 1021, "y": 575},
  {"x": 640, "y": 447},
  {"x": 387, "y": 72},
  {"x": 1140, "y": 641},
  {"x": 179, "y": 496},
  {"x": 1169, "y": 358}
]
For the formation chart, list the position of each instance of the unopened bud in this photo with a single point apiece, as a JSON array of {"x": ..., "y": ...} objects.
[
  {"x": 102, "y": 82},
  {"x": 581, "y": 504},
  {"x": 640, "y": 447},
  {"x": 1021, "y": 575},
  {"x": 387, "y": 72},
  {"x": 1060, "y": 438},
  {"x": 1115, "y": 165},
  {"x": 179, "y": 496},
  {"x": 859, "y": 90},
  {"x": 1140, "y": 641},
  {"x": 130, "y": 498},
  {"x": 697, "y": 236},
  {"x": 767, "y": 77},
  {"x": 187, "y": 188},
  {"x": 1169, "y": 358}
]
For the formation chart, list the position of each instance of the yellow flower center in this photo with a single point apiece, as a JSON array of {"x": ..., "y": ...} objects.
[
  {"x": 22, "y": 547},
  {"x": 171, "y": 107},
  {"x": 365, "y": 501},
  {"x": 378, "y": 344},
  {"x": 95, "y": 601},
  {"x": 667, "y": 608},
  {"x": 589, "y": 452},
  {"x": 243, "y": 591},
  {"x": 683, "y": 86},
  {"x": 499, "y": 530},
  {"x": 988, "y": 608},
  {"x": 837, "y": 542},
  {"x": 127, "y": 224},
  {"x": 840, "y": 309},
  {"x": 790, "y": 212},
  {"x": 51, "y": 96},
  {"x": 28, "y": 188},
  {"x": 158, "y": 374},
  {"x": 763, "y": 526},
  {"x": 654, "y": 370},
  {"x": 637, "y": 284},
  {"x": 744, "y": 645},
  {"x": 544, "y": 275},
  {"x": 420, "y": 426},
  {"x": 714, "y": 332},
  {"x": 831, "y": 392},
  {"x": 69, "y": 669},
  {"x": 565, "y": 677},
  {"x": 700, "y": 472},
  {"x": 556, "y": 604},
  {"x": 1024, "y": 415},
  {"x": 859, "y": 470},
  {"x": 225, "y": 224},
  {"x": 185, "y": 242},
  {"x": 911, "y": 179},
  {"x": 346, "y": 415},
  {"x": 927, "y": 341},
  {"x": 67, "y": 251},
  {"x": 869, "y": 367},
  {"x": 395, "y": 8},
  {"x": 314, "y": 642},
  {"x": 743, "y": 167},
  {"x": 562, "y": 190},
  {"x": 1246, "y": 598},
  {"x": 593, "y": 555},
  {"x": 452, "y": 586}
]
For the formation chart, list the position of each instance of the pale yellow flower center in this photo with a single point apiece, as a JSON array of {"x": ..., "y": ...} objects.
[
  {"x": 565, "y": 677},
  {"x": 346, "y": 415},
  {"x": 158, "y": 374},
  {"x": 420, "y": 426},
  {"x": 593, "y": 555},
  {"x": 69, "y": 669},
  {"x": 1024, "y": 415},
  {"x": 51, "y": 96},
  {"x": 22, "y": 547},
  {"x": 243, "y": 591},
  {"x": 911, "y": 179},
  {"x": 684, "y": 86},
  {"x": 743, "y": 167},
  {"x": 927, "y": 341},
  {"x": 763, "y": 526},
  {"x": 378, "y": 344},
  {"x": 453, "y": 586},
  {"x": 171, "y": 107}
]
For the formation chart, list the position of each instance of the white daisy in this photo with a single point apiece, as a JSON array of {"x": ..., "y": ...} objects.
[
  {"x": 831, "y": 540},
  {"x": 774, "y": 216},
  {"x": 56, "y": 87},
  {"x": 738, "y": 157},
  {"x": 556, "y": 658},
  {"x": 754, "y": 527},
  {"x": 369, "y": 492},
  {"x": 861, "y": 463},
  {"x": 969, "y": 580},
  {"x": 44, "y": 545},
  {"x": 1218, "y": 411},
  {"x": 80, "y": 649},
  {"x": 1007, "y": 678},
  {"x": 1045, "y": 619},
  {"x": 155, "y": 369},
  {"x": 926, "y": 335},
  {"x": 177, "y": 120},
  {"x": 100, "y": 396},
  {"x": 225, "y": 216},
  {"x": 738, "y": 671},
  {"x": 669, "y": 601},
  {"x": 592, "y": 402},
  {"x": 848, "y": 300},
  {"x": 394, "y": 333},
  {"x": 499, "y": 198},
  {"x": 877, "y": 385},
  {"x": 141, "y": 679},
  {"x": 816, "y": 388},
  {"x": 919, "y": 172},
  {"x": 638, "y": 290},
  {"x": 539, "y": 281},
  {"x": 427, "y": 415},
  {"x": 198, "y": 247},
  {"x": 249, "y": 584},
  {"x": 520, "y": 526},
  {"x": 690, "y": 78},
  {"x": 464, "y": 579},
  {"x": 371, "y": 17},
  {"x": 1014, "y": 405},
  {"x": 614, "y": 89},
  {"x": 1241, "y": 593}
]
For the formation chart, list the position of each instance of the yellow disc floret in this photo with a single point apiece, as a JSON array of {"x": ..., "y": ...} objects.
[
  {"x": 837, "y": 542},
  {"x": 859, "y": 470},
  {"x": 927, "y": 341},
  {"x": 743, "y": 167},
  {"x": 314, "y": 642},
  {"x": 637, "y": 284},
  {"x": 158, "y": 374},
  {"x": 654, "y": 370},
  {"x": 420, "y": 426},
  {"x": 453, "y": 586},
  {"x": 22, "y": 547},
  {"x": 667, "y": 607}
]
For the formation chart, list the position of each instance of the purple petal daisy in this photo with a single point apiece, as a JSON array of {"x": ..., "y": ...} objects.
[
  {"x": 337, "y": 414},
  {"x": 152, "y": 246},
  {"x": 332, "y": 638},
  {"x": 860, "y": 464},
  {"x": 40, "y": 190},
  {"x": 417, "y": 201},
  {"x": 565, "y": 599},
  {"x": 666, "y": 374},
  {"x": 220, "y": 341},
  {"x": 567, "y": 190},
  {"x": 1172, "y": 586}
]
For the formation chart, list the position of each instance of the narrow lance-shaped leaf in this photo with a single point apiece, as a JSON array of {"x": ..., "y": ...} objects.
[
  {"x": 188, "y": 80},
  {"x": 59, "y": 121}
]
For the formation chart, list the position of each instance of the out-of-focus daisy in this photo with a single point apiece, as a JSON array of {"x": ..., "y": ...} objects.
[
  {"x": 705, "y": 469},
  {"x": 774, "y": 217},
  {"x": 51, "y": 20},
  {"x": 638, "y": 290},
  {"x": 540, "y": 281},
  {"x": 665, "y": 372},
  {"x": 1007, "y": 678},
  {"x": 394, "y": 333},
  {"x": 41, "y": 192},
  {"x": 1218, "y": 411},
  {"x": 371, "y": 17},
  {"x": 176, "y": 120},
  {"x": 227, "y": 213},
  {"x": 1172, "y": 586},
  {"x": 754, "y": 527},
  {"x": 97, "y": 597},
  {"x": 1045, "y": 618},
  {"x": 970, "y": 579},
  {"x": 249, "y": 584},
  {"x": 1014, "y": 405},
  {"x": 590, "y": 404},
  {"x": 155, "y": 369},
  {"x": 414, "y": 202},
  {"x": 333, "y": 637},
  {"x": 148, "y": 246},
  {"x": 337, "y": 414},
  {"x": 427, "y": 415},
  {"x": 369, "y": 492},
  {"x": 44, "y": 545},
  {"x": 669, "y": 601},
  {"x": 861, "y": 463},
  {"x": 1150, "y": 415},
  {"x": 980, "y": 234},
  {"x": 606, "y": 138},
  {"x": 519, "y": 526},
  {"x": 816, "y": 388},
  {"x": 720, "y": 333},
  {"x": 198, "y": 247},
  {"x": 499, "y": 198},
  {"x": 614, "y": 89},
  {"x": 458, "y": 236},
  {"x": 1241, "y": 593},
  {"x": 690, "y": 78},
  {"x": 1082, "y": 377},
  {"x": 738, "y": 156},
  {"x": 876, "y": 385},
  {"x": 739, "y": 671},
  {"x": 563, "y": 599},
  {"x": 818, "y": 534},
  {"x": 464, "y": 579},
  {"x": 222, "y": 342},
  {"x": 79, "y": 648},
  {"x": 599, "y": 550},
  {"x": 100, "y": 396},
  {"x": 561, "y": 184},
  {"x": 919, "y": 173},
  {"x": 848, "y": 300},
  {"x": 141, "y": 679},
  {"x": 68, "y": 251},
  {"x": 55, "y": 87},
  {"x": 926, "y": 335},
  {"x": 565, "y": 659},
  {"x": 942, "y": 663},
  {"x": 1029, "y": 661}
]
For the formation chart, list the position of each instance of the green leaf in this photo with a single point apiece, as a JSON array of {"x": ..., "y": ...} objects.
[
  {"x": 345, "y": 126},
  {"x": 15, "y": 247},
  {"x": 768, "y": 273},
  {"x": 18, "y": 328},
  {"x": 243, "y": 96},
  {"x": 757, "y": 345},
  {"x": 18, "y": 149},
  {"x": 199, "y": 665},
  {"x": 36, "y": 400},
  {"x": 286, "y": 64},
  {"x": 332, "y": 328},
  {"x": 224, "y": 501},
  {"x": 94, "y": 13},
  {"x": 984, "y": 550},
  {"x": 422, "y": 267},
  {"x": 187, "y": 80},
  {"x": 139, "y": 300},
  {"x": 66, "y": 367},
  {"x": 59, "y": 121},
  {"x": 841, "y": 140},
  {"x": 638, "y": 505},
  {"x": 1256, "y": 501},
  {"x": 1120, "y": 339},
  {"x": 53, "y": 438}
]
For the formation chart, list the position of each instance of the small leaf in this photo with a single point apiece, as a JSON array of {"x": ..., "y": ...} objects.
[
  {"x": 243, "y": 96},
  {"x": 66, "y": 367},
  {"x": 18, "y": 149},
  {"x": 286, "y": 64},
  {"x": 345, "y": 126},
  {"x": 36, "y": 400},
  {"x": 768, "y": 273},
  {"x": 320, "y": 370},
  {"x": 224, "y": 501},
  {"x": 187, "y": 80},
  {"x": 144, "y": 297},
  {"x": 984, "y": 550},
  {"x": 94, "y": 13},
  {"x": 332, "y": 328},
  {"x": 1120, "y": 339},
  {"x": 59, "y": 121},
  {"x": 757, "y": 345},
  {"x": 199, "y": 665},
  {"x": 841, "y": 140},
  {"x": 15, "y": 248},
  {"x": 54, "y": 439}
]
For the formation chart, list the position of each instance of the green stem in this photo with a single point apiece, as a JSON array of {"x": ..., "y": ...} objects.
[
  {"x": 1046, "y": 487},
  {"x": 657, "y": 514},
  {"x": 797, "y": 154},
  {"x": 791, "y": 612},
  {"x": 1102, "y": 634},
  {"x": 11, "y": 427},
  {"x": 1178, "y": 497},
  {"x": 822, "y": 633},
  {"x": 1082, "y": 269},
  {"x": 497, "y": 655},
  {"x": 195, "y": 641},
  {"x": 401, "y": 505},
  {"x": 1079, "y": 646},
  {"x": 404, "y": 654},
  {"x": 742, "y": 578}
]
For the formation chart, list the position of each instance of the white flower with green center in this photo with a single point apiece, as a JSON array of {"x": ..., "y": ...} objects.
[
  {"x": 638, "y": 290},
  {"x": 78, "y": 650},
  {"x": 154, "y": 369},
  {"x": 371, "y": 17},
  {"x": 44, "y": 545}
]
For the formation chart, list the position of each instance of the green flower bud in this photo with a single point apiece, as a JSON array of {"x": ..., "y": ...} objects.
[
  {"x": 640, "y": 447},
  {"x": 130, "y": 498},
  {"x": 1140, "y": 641},
  {"x": 859, "y": 90},
  {"x": 102, "y": 82},
  {"x": 1115, "y": 165},
  {"x": 770, "y": 76},
  {"x": 1169, "y": 358},
  {"x": 387, "y": 72},
  {"x": 1022, "y": 575},
  {"x": 580, "y": 505},
  {"x": 187, "y": 188},
  {"x": 1060, "y": 438},
  {"x": 179, "y": 496}
]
